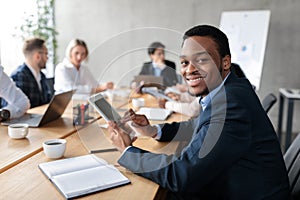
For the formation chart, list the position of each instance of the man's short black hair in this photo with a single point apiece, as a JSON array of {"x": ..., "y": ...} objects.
[
  {"x": 214, "y": 33},
  {"x": 154, "y": 46}
]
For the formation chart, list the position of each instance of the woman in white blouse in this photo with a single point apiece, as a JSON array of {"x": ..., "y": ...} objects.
[{"x": 71, "y": 74}]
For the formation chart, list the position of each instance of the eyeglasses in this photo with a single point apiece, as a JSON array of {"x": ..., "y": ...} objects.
[{"x": 43, "y": 52}]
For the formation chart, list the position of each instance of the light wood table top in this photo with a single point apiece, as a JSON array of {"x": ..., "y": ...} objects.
[
  {"x": 13, "y": 151},
  {"x": 26, "y": 181},
  {"x": 20, "y": 177}
]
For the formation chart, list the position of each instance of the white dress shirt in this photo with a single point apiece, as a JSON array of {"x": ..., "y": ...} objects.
[
  {"x": 67, "y": 77},
  {"x": 37, "y": 76},
  {"x": 189, "y": 108},
  {"x": 18, "y": 103}
]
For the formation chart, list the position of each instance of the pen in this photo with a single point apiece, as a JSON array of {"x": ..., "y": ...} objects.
[{"x": 103, "y": 150}]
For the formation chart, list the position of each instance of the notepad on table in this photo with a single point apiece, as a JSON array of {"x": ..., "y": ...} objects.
[
  {"x": 155, "y": 113},
  {"x": 82, "y": 175}
]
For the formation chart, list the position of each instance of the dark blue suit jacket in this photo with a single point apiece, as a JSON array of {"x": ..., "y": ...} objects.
[
  {"x": 25, "y": 80},
  {"x": 233, "y": 152},
  {"x": 168, "y": 73}
]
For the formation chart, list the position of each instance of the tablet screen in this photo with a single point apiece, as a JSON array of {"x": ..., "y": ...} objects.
[{"x": 107, "y": 110}]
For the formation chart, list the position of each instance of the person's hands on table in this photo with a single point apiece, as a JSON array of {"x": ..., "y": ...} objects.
[
  {"x": 140, "y": 123},
  {"x": 119, "y": 138}
]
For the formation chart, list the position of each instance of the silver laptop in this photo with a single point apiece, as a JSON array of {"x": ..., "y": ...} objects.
[
  {"x": 148, "y": 79},
  {"x": 54, "y": 110}
]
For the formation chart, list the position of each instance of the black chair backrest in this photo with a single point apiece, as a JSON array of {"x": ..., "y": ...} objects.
[
  {"x": 292, "y": 163},
  {"x": 50, "y": 83},
  {"x": 268, "y": 102}
]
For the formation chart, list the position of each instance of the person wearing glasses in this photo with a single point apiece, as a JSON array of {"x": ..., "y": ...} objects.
[
  {"x": 159, "y": 66},
  {"x": 29, "y": 77}
]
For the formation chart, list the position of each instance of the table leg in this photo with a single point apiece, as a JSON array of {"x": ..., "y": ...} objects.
[
  {"x": 289, "y": 123},
  {"x": 280, "y": 115}
]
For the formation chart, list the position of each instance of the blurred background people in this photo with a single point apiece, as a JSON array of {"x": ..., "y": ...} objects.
[
  {"x": 17, "y": 101},
  {"x": 72, "y": 74},
  {"x": 29, "y": 77},
  {"x": 159, "y": 66}
]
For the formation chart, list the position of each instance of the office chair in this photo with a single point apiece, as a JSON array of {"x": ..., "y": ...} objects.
[
  {"x": 292, "y": 163},
  {"x": 268, "y": 102},
  {"x": 50, "y": 83}
]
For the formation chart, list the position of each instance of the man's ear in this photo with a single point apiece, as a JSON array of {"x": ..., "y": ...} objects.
[
  {"x": 226, "y": 63},
  {"x": 36, "y": 55}
]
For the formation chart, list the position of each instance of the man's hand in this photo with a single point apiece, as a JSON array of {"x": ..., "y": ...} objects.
[
  {"x": 119, "y": 138},
  {"x": 109, "y": 85},
  {"x": 140, "y": 123},
  {"x": 130, "y": 115},
  {"x": 105, "y": 86},
  {"x": 174, "y": 96},
  {"x": 162, "y": 102}
]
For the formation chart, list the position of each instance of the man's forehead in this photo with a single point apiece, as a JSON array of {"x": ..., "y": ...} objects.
[
  {"x": 191, "y": 45},
  {"x": 196, "y": 44}
]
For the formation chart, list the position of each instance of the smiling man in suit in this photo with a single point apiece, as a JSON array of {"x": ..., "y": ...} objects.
[
  {"x": 28, "y": 76},
  {"x": 233, "y": 151}
]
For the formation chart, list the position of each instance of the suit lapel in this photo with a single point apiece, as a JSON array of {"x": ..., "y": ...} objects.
[{"x": 29, "y": 73}]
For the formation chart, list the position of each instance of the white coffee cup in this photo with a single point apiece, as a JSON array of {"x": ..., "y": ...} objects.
[
  {"x": 138, "y": 102},
  {"x": 54, "y": 148},
  {"x": 18, "y": 131}
]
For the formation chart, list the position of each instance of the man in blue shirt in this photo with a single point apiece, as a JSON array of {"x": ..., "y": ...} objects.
[
  {"x": 233, "y": 151},
  {"x": 159, "y": 66}
]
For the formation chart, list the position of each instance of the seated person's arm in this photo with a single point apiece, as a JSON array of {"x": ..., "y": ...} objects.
[
  {"x": 17, "y": 101},
  {"x": 158, "y": 86},
  {"x": 105, "y": 86}
]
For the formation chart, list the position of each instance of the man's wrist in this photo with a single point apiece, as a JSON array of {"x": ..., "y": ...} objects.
[
  {"x": 153, "y": 131},
  {"x": 4, "y": 114},
  {"x": 125, "y": 150}
]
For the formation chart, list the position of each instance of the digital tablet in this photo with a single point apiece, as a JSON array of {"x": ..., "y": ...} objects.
[
  {"x": 107, "y": 111},
  {"x": 104, "y": 108}
]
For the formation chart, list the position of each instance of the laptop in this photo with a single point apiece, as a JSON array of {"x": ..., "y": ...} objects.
[
  {"x": 54, "y": 110},
  {"x": 148, "y": 79}
]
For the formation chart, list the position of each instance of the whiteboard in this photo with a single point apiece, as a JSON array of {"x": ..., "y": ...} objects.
[{"x": 247, "y": 33}]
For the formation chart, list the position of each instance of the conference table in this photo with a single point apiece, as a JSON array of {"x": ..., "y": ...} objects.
[{"x": 20, "y": 177}]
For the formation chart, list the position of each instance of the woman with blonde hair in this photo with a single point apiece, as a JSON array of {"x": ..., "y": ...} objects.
[{"x": 72, "y": 74}]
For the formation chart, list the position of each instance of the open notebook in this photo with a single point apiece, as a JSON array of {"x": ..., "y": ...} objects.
[
  {"x": 159, "y": 114},
  {"x": 82, "y": 175}
]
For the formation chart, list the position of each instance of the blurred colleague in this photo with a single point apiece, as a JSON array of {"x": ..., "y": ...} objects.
[
  {"x": 28, "y": 76},
  {"x": 233, "y": 151},
  {"x": 17, "y": 101},
  {"x": 72, "y": 74},
  {"x": 159, "y": 66},
  {"x": 183, "y": 103}
]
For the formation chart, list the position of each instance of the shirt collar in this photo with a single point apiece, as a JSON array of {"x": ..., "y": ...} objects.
[
  {"x": 158, "y": 66},
  {"x": 206, "y": 100},
  {"x": 68, "y": 64},
  {"x": 36, "y": 74}
]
